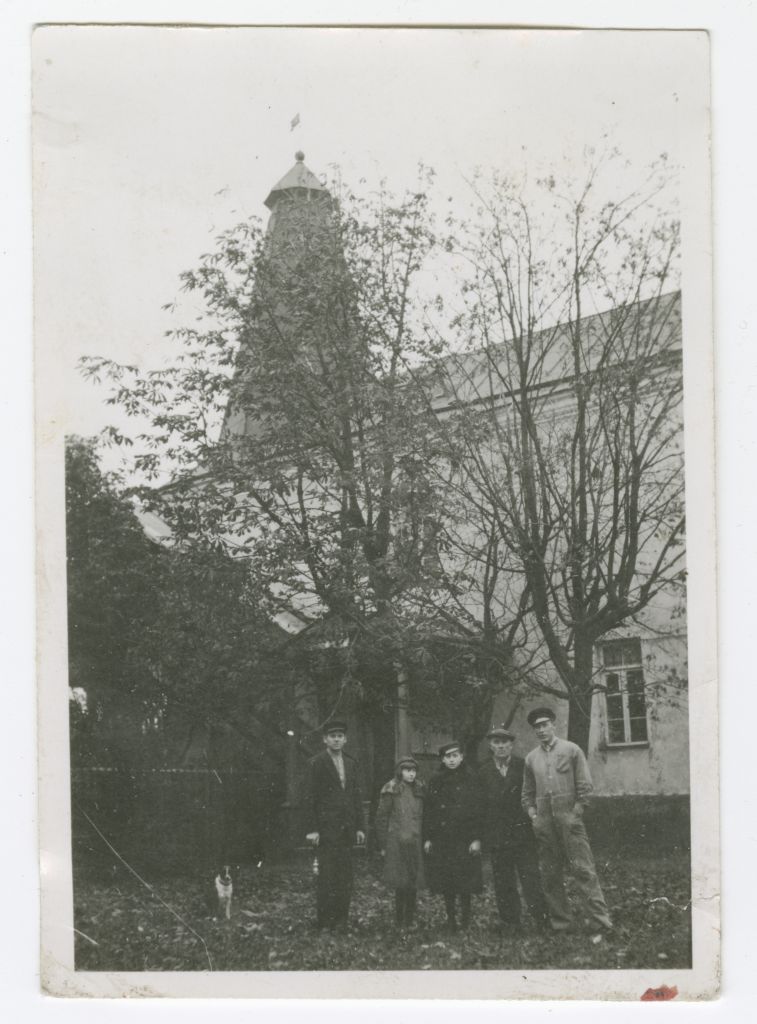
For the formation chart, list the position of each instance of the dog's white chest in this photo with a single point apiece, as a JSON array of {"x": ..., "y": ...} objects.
[{"x": 224, "y": 889}]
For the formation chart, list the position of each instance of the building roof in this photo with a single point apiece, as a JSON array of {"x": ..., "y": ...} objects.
[
  {"x": 298, "y": 177},
  {"x": 483, "y": 373}
]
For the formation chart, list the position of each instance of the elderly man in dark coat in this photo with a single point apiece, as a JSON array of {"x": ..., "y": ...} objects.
[
  {"x": 508, "y": 836},
  {"x": 335, "y": 821},
  {"x": 452, "y": 829}
]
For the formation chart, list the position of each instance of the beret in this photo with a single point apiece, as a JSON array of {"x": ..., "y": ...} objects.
[{"x": 538, "y": 713}]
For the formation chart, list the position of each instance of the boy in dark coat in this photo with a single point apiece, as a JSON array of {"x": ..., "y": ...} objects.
[
  {"x": 452, "y": 829},
  {"x": 508, "y": 835},
  {"x": 335, "y": 821},
  {"x": 398, "y": 832}
]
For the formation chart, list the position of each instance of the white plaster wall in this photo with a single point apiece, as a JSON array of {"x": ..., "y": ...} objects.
[{"x": 657, "y": 769}]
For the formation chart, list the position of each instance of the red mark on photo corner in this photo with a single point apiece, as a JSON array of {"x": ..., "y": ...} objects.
[{"x": 655, "y": 995}]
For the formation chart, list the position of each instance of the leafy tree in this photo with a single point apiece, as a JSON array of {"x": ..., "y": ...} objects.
[
  {"x": 294, "y": 434},
  {"x": 112, "y": 600},
  {"x": 164, "y": 643}
]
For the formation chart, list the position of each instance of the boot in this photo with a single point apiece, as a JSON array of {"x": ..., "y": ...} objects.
[
  {"x": 449, "y": 906},
  {"x": 399, "y": 908},
  {"x": 409, "y": 907},
  {"x": 465, "y": 911}
]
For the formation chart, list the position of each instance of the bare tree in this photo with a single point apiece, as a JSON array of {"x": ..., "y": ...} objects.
[{"x": 564, "y": 408}]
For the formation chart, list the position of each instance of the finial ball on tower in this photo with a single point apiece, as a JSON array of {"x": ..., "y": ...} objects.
[{"x": 299, "y": 156}]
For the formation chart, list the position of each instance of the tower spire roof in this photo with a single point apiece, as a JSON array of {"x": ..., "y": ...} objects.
[{"x": 299, "y": 177}]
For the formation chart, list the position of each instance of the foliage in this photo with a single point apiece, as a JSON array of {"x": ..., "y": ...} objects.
[
  {"x": 109, "y": 563},
  {"x": 295, "y": 435},
  {"x": 112, "y": 599},
  {"x": 162, "y": 640}
]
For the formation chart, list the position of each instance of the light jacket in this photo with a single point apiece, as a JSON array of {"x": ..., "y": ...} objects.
[{"x": 556, "y": 780}]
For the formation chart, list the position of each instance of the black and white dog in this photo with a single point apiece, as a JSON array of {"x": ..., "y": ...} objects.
[{"x": 224, "y": 887}]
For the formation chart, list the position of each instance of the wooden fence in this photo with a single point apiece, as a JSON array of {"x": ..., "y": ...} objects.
[{"x": 172, "y": 819}]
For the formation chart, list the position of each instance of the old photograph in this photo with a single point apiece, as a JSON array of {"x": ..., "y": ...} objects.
[{"x": 375, "y": 497}]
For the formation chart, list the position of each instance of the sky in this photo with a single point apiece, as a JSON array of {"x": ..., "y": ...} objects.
[{"x": 148, "y": 142}]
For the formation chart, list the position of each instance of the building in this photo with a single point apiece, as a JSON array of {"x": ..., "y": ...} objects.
[{"x": 638, "y": 737}]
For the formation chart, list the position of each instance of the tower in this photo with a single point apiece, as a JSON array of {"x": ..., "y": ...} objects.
[
  {"x": 299, "y": 189},
  {"x": 299, "y": 271}
]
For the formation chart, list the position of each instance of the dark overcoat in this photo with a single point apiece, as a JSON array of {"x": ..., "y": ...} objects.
[
  {"x": 335, "y": 812},
  {"x": 452, "y": 820},
  {"x": 505, "y": 822}
]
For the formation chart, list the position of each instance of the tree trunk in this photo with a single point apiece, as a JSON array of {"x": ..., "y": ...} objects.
[
  {"x": 403, "y": 738},
  {"x": 382, "y": 729},
  {"x": 478, "y": 724},
  {"x": 581, "y": 694}
]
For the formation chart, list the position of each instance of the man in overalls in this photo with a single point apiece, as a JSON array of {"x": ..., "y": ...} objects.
[{"x": 556, "y": 789}]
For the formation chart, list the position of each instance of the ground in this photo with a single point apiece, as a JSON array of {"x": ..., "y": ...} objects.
[{"x": 123, "y": 926}]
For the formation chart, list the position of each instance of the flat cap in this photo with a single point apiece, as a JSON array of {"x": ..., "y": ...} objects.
[
  {"x": 445, "y": 748},
  {"x": 540, "y": 713},
  {"x": 335, "y": 725},
  {"x": 499, "y": 732}
]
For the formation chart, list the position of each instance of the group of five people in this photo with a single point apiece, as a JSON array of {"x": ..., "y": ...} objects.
[{"x": 526, "y": 814}]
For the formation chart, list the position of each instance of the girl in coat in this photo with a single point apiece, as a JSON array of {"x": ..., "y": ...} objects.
[
  {"x": 452, "y": 825},
  {"x": 398, "y": 831}
]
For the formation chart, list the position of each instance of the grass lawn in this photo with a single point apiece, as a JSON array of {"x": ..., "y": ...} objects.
[{"x": 122, "y": 926}]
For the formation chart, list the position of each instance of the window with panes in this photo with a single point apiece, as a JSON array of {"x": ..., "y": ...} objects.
[{"x": 625, "y": 701}]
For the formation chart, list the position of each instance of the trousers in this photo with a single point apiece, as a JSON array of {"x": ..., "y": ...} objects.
[
  {"x": 404, "y": 906},
  {"x": 333, "y": 886},
  {"x": 562, "y": 842},
  {"x": 510, "y": 863},
  {"x": 450, "y": 899}
]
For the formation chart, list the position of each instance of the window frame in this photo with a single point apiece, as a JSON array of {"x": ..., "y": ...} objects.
[{"x": 622, "y": 669}]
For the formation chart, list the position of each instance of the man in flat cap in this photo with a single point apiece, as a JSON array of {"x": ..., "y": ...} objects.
[
  {"x": 334, "y": 821},
  {"x": 508, "y": 836},
  {"x": 556, "y": 789}
]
